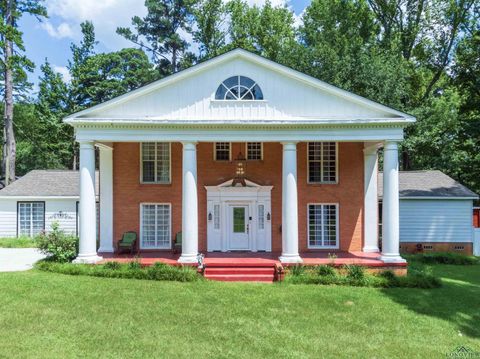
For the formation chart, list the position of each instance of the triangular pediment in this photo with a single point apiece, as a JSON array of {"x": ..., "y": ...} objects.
[{"x": 288, "y": 97}]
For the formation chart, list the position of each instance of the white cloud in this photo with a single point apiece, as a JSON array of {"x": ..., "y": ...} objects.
[
  {"x": 62, "y": 70},
  {"x": 61, "y": 31},
  {"x": 106, "y": 16}
]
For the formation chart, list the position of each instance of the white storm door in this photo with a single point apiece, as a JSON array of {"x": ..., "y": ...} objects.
[{"x": 239, "y": 227}]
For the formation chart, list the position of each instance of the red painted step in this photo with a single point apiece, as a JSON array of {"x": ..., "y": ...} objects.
[{"x": 240, "y": 272}]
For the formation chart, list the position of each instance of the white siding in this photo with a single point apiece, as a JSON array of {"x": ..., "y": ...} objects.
[
  {"x": 61, "y": 210},
  {"x": 192, "y": 98},
  {"x": 435, "y": 220},
  {"x": 8, "y": 218}
]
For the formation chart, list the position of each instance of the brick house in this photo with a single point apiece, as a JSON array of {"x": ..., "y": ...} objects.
[{"x": 239, "y": 153}]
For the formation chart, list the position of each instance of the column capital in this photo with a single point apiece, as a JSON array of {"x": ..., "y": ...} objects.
[
  {"x": 87, "y": 145},
  {"x": 390, "y": 145},
  {"x": 189, "y": 145},
  {"x": 289, "y": 145}
]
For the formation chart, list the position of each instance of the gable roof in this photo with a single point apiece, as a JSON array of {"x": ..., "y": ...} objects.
[
  {"x": 46, "y": 183},
  {"x": 252, "y": 58},
  {"x": 428, "y": 184}
]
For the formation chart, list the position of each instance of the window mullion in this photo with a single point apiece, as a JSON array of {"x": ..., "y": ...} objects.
[
  {"x": 156, "y": 226},
  {"x": 322, "y": 213}
]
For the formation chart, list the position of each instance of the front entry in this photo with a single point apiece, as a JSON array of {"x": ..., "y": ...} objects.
[
  {"x": 239, "y": 217},
  {"x": 238, "y": 234}
]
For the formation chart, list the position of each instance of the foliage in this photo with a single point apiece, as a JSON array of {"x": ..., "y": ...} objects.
[
  {"x": 354, "y": 275},
  {"x": 20, "y": 242},
  {"x": 57, "y": 245},
  {"x": 132, "y": 270},
  {"x": 444, "y": 258}
]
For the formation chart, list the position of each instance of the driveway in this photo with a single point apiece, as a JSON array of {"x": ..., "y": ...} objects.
[{"x": 18, "y": 259}]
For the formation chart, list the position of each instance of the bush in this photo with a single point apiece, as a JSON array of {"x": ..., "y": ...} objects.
[
  {"x": 355, "y": 272},
  {"x": 159, "y": 271},
  {"x": 58, "y": 246},
  {"x": 326, "y": 271},
  {"x": 444, "y": 258},
  {"x": 297, "y": 270}
]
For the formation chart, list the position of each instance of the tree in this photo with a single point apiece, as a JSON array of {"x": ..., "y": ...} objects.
[
  {"x": 210, "y": 20},
  {"x": 159, "y": 33},
  {"x": 11, "y": 44}
]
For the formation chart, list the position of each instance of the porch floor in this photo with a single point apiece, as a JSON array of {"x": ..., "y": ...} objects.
[{"x": 256, "y": 258}]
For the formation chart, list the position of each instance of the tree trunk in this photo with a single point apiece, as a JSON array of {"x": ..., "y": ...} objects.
[{"x": 9, "y": 145}]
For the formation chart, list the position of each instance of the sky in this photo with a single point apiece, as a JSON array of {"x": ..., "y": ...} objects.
[{"x": 51, "y": 38}]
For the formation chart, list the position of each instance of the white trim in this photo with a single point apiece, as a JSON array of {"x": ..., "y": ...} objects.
[
  {"x": 155, "y": 164},
  {"x": 229, "y": 151},
  {"x": 321, "y": 155},
  {"x": 141, "y": 224},
  {"x": 337, "y": 225},
  {"x": 239, "y": 53},
  {"x": 437, "y": 197},
  {"x": 40, "y": 197}
]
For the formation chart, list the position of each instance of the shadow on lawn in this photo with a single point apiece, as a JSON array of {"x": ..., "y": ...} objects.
[{"x": 458, "y": 301}]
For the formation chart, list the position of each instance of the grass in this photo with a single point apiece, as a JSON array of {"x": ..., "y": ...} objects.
[
  {"x": 20, "y": 242},
  {"x": 48, "y": 315}
]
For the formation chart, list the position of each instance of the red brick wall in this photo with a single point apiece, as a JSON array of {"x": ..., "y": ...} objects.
[{"x": 348, "y": 193}]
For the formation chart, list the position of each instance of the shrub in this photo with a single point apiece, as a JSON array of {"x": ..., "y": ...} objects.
[
  {"x": 158, "y": 271},
  {"x": 112, "y": 265},
  {"x": 445, "y": 258},
  {"x": 355, "y": 272},
  {"x": 326, "y": 271},
  {"x": 58, "y": 246},
  {"x": 297, "y": 270},
  {"x": 135, "y": 264}
]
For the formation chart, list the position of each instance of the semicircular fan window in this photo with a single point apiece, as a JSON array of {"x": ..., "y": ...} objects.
[{"x": 239, "y": 88}]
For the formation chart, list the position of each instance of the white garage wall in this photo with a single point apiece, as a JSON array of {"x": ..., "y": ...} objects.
[
  {"x": 61, "y": 210},
  {"x": 8, "y": 218},
  {"x": 435, "y": 220}
]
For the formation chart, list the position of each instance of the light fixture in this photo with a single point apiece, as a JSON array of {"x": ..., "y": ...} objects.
[
  {"x": 268, "y": 216},
  {"x": 210, "y": 216},
  {"x": 240, "y": 170}
]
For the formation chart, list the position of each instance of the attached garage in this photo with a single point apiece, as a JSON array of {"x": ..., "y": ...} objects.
[{"x": 435, "y": 213}]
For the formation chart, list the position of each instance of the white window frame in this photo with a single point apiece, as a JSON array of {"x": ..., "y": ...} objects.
[
  {"x": 337, "y": 225},
  {"x": 229, "y": 152},
  {"x": 261, "y": 151},
  {"x": 141, "y": 246},
  {"x": 30, "y": 234},
  {"x": 156, "y": 164},
  {"x": 336, "y": 164}
]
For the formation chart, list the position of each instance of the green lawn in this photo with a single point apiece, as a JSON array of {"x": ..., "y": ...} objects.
[
  {"x": 21, "y": 242},
  {"x": 46, "y": 315}
]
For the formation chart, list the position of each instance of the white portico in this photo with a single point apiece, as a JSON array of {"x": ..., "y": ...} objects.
[{"x": 186, "y": 108}]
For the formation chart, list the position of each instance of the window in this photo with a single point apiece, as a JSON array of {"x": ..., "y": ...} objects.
[
  {"x": 222, "y": 151},
  {"x": 216, "y": 216},
  {"x": 322, "y": 226},
  {"x": 155, "y": 162},
  {"x": 238, "y": 88},
  {"x": 155, "y": 231},
  {"x": 261, "y": 216},
  {"x": 322, "y": 162},
  {"x": 31, "y": 218},
  {"x": 254, "y": 151}
]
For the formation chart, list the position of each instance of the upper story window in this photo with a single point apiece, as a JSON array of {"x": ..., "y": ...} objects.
[
  {"x": 155, "y": 162},
  {"x": 222, "y": 151},
  {"x": 239, "y": 88},
  {"x": 254, "y": 151},
  {"x": 322, "y": 162}
]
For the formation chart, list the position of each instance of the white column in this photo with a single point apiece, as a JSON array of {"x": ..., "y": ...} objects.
[
  {"x": 189, "y": 204},
  {"x": 106, "y": 199},
  {"x": 391, "y": 212},
  {"x": 289, "y": 205},
  {"x": 370, "y": 225},
  {"x": 88, "y": 226}
]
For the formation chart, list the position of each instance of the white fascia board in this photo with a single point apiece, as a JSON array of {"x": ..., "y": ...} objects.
[
  {"x": 286, "y": 71},
  {"x": 238, "y": 133},
  {"x": 38, "y": 198},
  {"x": 438, "y": 197}
]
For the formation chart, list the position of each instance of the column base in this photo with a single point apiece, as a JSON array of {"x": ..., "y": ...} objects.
[
  {"x": 188, "y": 258},
  {"x": 105, "y": 250},
  {"x": 371, "y": 249},
  {"x": 290, "y": 258},
  {"x": 392, "y": 258},
  {"x": 87, "y": 259}
]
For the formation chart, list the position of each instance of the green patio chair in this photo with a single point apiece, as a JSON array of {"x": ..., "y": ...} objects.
[
  {"x": 177, "y": 245},
  {"x": 128, "y": 242}
]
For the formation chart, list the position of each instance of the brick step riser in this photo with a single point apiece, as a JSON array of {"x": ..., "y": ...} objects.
[
  {"x": 242, "y": 278},
  {"x": 246, "y": 271}
]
